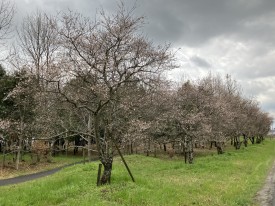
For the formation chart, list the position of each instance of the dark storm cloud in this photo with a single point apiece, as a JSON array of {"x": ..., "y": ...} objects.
[{"x": 177, "y": 21}]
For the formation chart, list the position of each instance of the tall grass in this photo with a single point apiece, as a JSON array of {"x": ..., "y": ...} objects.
[{"x": 223, "y": 180}]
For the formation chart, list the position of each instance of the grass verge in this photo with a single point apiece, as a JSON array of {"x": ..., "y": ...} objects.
[
  {"x": 27, "y": 168},
  {"x": 223, "y": 180}
]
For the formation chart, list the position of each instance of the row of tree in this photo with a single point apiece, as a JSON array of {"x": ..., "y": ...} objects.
[{"x": 103, "y": 78}]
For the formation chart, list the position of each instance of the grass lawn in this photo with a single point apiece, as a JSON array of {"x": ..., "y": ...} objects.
[{"x": 223, "y": 180}]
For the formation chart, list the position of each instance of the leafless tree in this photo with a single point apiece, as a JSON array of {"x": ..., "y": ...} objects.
[
  {"x": 39, "y": 46},
  {"x": 107, "y": 56},
  {"x": 6, "y": 16},
  {"x": 22, "y": 116}
]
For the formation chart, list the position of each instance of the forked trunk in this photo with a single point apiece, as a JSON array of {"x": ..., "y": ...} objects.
[
  {"x": 238, "y": 142},
  {"x": 106, "y": 176},
  {"x": 105, "y": 153}
]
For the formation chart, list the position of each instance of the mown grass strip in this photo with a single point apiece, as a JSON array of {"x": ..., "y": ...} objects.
[{"x": 223, "y": 180}]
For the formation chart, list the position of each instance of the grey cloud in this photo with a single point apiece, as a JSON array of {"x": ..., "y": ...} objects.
[
  {"x": 195, "y": 22},
  {"x": 200, "y": 62},
  {"x": 177, "y": 21},
  {"x": 256, "y": 67},
  {"x": 196, "y": 25}
]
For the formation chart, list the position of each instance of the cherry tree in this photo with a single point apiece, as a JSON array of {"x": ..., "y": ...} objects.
[{"x": 107, "y": 56}]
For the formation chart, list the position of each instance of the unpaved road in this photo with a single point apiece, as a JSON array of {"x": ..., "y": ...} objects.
[{"x": 266, "y": 196}]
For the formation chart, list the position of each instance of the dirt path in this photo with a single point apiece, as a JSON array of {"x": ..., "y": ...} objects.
[
  {"x": 266, "y": 196},
  {"x": 24, "y": 178}
]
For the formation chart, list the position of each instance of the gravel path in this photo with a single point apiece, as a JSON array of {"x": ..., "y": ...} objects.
[
  {"x": 24, "y": 178},
  {"x": 266, "y": 196}
]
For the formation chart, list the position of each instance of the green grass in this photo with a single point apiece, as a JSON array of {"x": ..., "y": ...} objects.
[{"x": 223, "y": 180}]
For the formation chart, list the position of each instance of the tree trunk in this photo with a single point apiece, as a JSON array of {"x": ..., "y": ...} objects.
[
  {"x": 19, "y": 144},
  {"x": 148, "y": 147},
  {"x": 90, "y": 138},
  {"x": 98, "y": 175},
  {"x": 60, "y": 148},
  {"x": 189, "y": 150},
  {"x": 245, "y": 141},
  {"x": 219, "y": 147},
  {"x": 258, "y": 139},
  {"x": 52, "y": 147},
  {"x": 211, "y": 144},
  {"x": 252, "y": 139},
  {"x": 18, "y": 154},
  {"x": 105, "y": 155},
  {"x": 131, "y": 148},
  {"x": 107, "y": 164},
  {"x": 155, "y": 150},
  {"x": 66, "y": 145},
  {"x": 4, "y": 156},
  {"x": 238, "y": 143},
  {"x": 164, "y": 147},
  {"x": 83, "y": 154}
]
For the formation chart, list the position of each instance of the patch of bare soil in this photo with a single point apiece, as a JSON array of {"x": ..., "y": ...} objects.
[{"x": 265, "y": 197}]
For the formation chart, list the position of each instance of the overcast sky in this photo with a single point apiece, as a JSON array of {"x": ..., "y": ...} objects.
[{"x": 235, "y": 37}]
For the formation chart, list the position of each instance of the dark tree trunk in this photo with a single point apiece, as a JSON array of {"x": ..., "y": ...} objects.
[
  {"x": 164, "y": 147},
  {"x": 75, "y": 150},
  {"x": 259, "y": 139},
  {"x": 245, "y": 141},
  {"x": 211, "y": 144},
  {"x": 89, "y": 138},
  {"x": 190, "y": 157},
  {"x": 105, "y": 155},
  {"x": 238, "y": 143},
  {"x": 155, "y": 150},
  {"x": 219, "y": 146},
  {"x": 106, "y": 176},
  {"x": 4, "y": 157},
  {"x": 189, "y": 150},
  {"x": 252, "y": 139},
  {"x": 131, "y": 148},
  {"x": 148, "y": 147}
]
